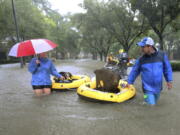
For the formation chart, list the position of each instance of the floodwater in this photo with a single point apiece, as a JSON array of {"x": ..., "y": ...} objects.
[{"x": 64, "y": 113}]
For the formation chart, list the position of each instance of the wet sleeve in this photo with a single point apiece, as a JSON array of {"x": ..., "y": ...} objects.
[
  {"x": 134, "y": 72},
  {"x": 32, "y": 67},
  {"x": 167, "y": 69},
  {"x": 54, "y": 71}
]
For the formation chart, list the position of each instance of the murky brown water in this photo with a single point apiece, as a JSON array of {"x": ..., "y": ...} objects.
[{"x": 63, "y": 113}]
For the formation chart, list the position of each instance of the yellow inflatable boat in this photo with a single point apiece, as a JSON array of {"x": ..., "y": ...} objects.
[
  {"x": 76, "y": 81},
  {"x": 88, "y": 91}
]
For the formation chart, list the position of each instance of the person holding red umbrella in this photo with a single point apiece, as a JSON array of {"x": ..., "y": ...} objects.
[{"x": 41, "y": 68}]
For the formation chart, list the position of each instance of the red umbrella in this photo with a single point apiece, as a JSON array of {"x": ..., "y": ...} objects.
[{"x": 31, "y": 47}]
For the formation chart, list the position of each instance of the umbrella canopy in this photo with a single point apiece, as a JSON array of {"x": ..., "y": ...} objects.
[{"x": 31, "y": 47}]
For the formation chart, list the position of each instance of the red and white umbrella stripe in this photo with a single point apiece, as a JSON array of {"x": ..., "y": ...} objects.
[{"x": 31, "y": 47}]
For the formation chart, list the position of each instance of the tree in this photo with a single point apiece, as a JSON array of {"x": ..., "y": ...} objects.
[
  {"x": 159, "y": 13},
  {"x": 117, "y": 18},
  {"x": 30, "y": 20},
  {"x": 95, "y": 38},
  {"x": 7, "y": 28}
]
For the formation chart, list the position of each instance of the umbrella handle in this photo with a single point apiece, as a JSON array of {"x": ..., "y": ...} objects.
[{"x": 37, "y": 59}]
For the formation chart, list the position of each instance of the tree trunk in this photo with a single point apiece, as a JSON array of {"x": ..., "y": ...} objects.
[
  {"x": 101, "y": 56},
  {"x": 161, "y": 42},
  {"x": 94, "y": 56}
]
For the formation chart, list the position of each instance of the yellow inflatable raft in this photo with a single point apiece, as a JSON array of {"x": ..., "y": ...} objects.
[
  {"x": 88, "y": 91},
  {"x": 76, "y": 81}
]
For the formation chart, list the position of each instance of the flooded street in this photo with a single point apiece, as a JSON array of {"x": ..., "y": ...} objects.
[{"x": 64, "y": 113}]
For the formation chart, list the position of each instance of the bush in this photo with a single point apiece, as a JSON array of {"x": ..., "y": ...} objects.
[
  {"x": 9, "y": 61},
  {"x": 175, "y": 66}
]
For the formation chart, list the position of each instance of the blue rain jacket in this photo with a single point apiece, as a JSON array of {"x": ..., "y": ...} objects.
[
  {"x": 152, "y": 67},
  {"x": 41, "y": 74}
]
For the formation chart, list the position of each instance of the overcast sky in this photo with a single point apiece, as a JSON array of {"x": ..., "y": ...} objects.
[{"x": 65, "y": 6}]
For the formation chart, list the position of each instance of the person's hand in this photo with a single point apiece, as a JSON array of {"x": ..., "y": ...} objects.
[
  {"x": 38, "y": 62},
  {"x": 128, "y": 85},
  {"x": 169, "y": 85},
  {"x": 125, "y": 85}
]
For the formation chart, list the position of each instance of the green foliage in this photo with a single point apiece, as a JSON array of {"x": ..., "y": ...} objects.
[
  {"x": 30, "y": 20},
  {"x": 159, "y": 13},
  {"x": 6, "y": 20},
  {"x": 95, "y": 38},
  {"x": 117, "y": 18},
  {"x": 107, "y": 26},
  {"x": 35, "y": 19},
  {"x": 175, "y": 66},
  {"x": 9, "y": 61}
]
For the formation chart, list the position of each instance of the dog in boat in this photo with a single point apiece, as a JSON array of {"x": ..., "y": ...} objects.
[
  {"x": 67, "y": 77},
  {"x": 109, "y": 78}
]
